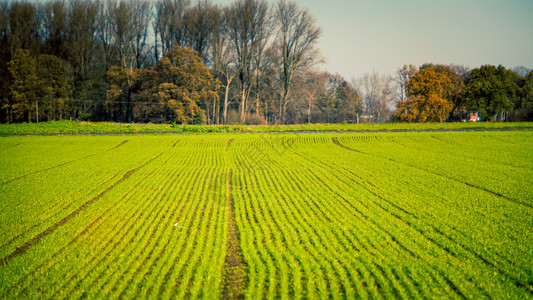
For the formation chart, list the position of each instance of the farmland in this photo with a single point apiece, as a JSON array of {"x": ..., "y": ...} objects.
[
  {"x": 71, "y": 127},
  {"x": 318, "y": 215}
]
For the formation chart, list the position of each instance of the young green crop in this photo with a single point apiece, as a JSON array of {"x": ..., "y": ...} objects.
[
  {"x": 71, "y": 127},
  {"x": 394, "y": 215}
]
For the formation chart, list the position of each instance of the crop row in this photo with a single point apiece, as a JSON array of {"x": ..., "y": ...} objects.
[
  {"x": 395, "y": 215},
  {"x": 144, "y": 235}
]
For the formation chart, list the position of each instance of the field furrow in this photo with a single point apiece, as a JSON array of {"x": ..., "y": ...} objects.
[{"x": 341, "y": 215}]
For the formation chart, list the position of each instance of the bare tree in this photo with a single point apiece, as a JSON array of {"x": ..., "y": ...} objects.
[
  {"x": 297, "y": 36},
  {"x": 54, "y": 28},
  {"x": 5, "y": 56},
  {"x": 4, "y": 20},
  {"x": 22, "y": 27},
  {"x": 169, "y": 25},
  {"x": 461, "y": 70},
  {"x": 157, "y": 15},
  {"x": 265, "y": 26},
  {"x": 267, "y": 83},
  {"x": 199, "y": 24},
  {"x": 104, "y": 33},
  {"x": 141, "y": 17},
  {"x": 404, "y": 74},
  {"x": 4, "y": 24},
  {"x": 522, "y": 71},
  {"x": 221, "y": 56},
  {"x": 246, "y": 20},
  {"x": 82, "y": 24},
  {"x": 315, "y": 86},
  {"x": 122, "y": 30},
  {"x": 378, "y": 93}
]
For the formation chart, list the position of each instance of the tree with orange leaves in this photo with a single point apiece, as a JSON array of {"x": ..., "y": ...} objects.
[
  {"x": 122, "y": 83},
  {"x": 177, "y": 89},
  {"x": 426, "y": 102}
]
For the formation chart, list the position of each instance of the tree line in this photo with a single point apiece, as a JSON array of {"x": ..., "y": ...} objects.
[
  {"x": 437, "y": 93},
  {"x": 251, "y": 61},
  {"x": 87, "y": 59}
]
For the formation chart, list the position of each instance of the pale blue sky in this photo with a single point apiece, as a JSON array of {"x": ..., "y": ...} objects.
[
  {"x": 360, "y": 36},
  {"x": 383, "y": 35}
]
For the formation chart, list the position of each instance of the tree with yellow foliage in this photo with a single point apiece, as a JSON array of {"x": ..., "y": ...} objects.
[
  {"x": 23, "y": 87},
  {"x": 176, "y": 90},
  {"x": 39, "y": 88},
  {"x": 182, "y": 86},
  {"x": 426, "y": 102},
  {"x": 122, "y": 84}
]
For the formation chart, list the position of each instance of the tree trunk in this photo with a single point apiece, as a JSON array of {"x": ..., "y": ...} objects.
[
  {"x": 226, "y": 104},
  {"x": 280, "y": 108},
  {"x": 309, "y": 112},
  {"x": 257, "y": 103},
  {"x": 284, "y": 111},
  {"x": 208, "y": 114},
  {"x": 214, "y": 111},
  {"x": 29, "y": 111},
  {"x": 129, "y": 108},
  {"x": 243, "y": 105}
]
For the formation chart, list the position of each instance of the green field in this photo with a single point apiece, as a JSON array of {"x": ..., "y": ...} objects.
[
  {"x": 67, "y": 127},
  {"x": 340, "y": 215}
]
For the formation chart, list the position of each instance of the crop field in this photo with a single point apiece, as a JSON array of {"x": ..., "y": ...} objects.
[
  {"x": 318, "y": 215},
  {"x": 71, "y": 127}
]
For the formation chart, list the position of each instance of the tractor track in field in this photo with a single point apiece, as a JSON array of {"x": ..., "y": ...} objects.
[
  {"x": 117, "y": 146},
  {"x": 120, "y": 230},
  {"x": 446, "y": 236},
  {"x": 394, "y": 239},
  {"x": 34, "y": 240},
  {"x": 101, "y": 217},
  {"x": 336, "y": 142},
  {"x": 63, "y": 163},
  {"x": 13, "y": 146},
  {"x": 234, "y": 269},
  {"x": 528, "y": 288},
  {"x": 321, "y": 241},
  {"x": 229, "y": 143},
  {"x": 28, "y": 229},
  {"x": 113, "y": 237},
  {"x": 150, "y": 234},
  {"x": 327, "y": 200},
  {"x": 71, "y": 243}
]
